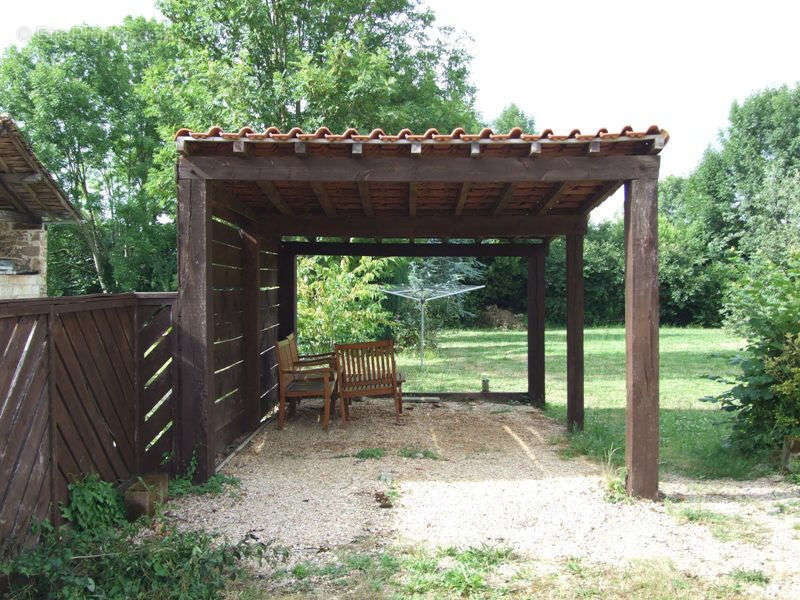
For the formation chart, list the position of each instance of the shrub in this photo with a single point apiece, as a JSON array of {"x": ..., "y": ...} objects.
[
  {"x": 764, "y": 307},
  {"x": 500, "y": 318},
  {"x": 94, "y": 503}
]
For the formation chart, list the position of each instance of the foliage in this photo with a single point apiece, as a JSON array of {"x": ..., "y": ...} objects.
[
  {"x": 101, "y": 555},
  {"x": 126, "y": 562},
  {"x": 513, "y": 116},
  {"x": 185, "y": 485},
  {"x": 336, "y": 301},
  {"x": 366, "y": 453},
  {"x": 764, "y": 307},
  {"x": 94, "y": 503}
]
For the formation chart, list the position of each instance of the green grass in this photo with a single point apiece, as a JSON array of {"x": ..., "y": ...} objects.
[
  {"x": 693, "y": 433},
  {"x": 724, "y": 527},
  {"x": 367, "y": 453},
  {"x": 410, "y": 452},
  {"x": 495, "y": 573}
]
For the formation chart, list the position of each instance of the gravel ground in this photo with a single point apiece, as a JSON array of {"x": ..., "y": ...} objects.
[{"x": 500, "y": 481}]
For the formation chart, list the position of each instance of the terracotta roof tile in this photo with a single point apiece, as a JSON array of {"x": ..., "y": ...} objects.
[{"x": 457, "y": 135}]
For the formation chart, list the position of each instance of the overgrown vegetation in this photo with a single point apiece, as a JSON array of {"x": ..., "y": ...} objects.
[
  {"x": 722, "y": 526},
  {"x": 100, "y": 555},
  {"x": 184, "y": 484}
]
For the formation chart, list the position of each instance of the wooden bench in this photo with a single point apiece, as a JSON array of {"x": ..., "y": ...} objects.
[
  {"x": 368, "y": 369},
  {"x": 308, "y": 376}
]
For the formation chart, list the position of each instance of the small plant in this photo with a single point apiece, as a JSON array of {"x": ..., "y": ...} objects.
[
  {"x": 614, "y": 478},
  {"x": 184, "y": 485},
  {"x": 94, "y": 504},
  {"x": 367, "y": 453},
  {"x": 410, "y": 452},
  {"x": 753, "y": 576}
]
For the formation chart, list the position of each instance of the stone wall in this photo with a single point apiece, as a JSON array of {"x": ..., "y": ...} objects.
[{"x": 28, "y": 249}]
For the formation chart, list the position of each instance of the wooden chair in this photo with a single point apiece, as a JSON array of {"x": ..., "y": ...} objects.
[
  {"x": 368, "y": 369},
  {"x": 304, "y": 379},
  {"x": 326, "y": 358}
]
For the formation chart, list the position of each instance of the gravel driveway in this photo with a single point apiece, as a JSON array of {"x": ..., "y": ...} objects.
[{"x": 499, "y": 480}]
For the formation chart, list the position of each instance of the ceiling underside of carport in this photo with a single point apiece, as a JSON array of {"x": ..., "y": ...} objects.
[{"x": 417, "y": 185}]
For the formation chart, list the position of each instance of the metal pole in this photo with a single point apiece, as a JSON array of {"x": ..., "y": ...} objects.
[{"x": 421, "y": 334}]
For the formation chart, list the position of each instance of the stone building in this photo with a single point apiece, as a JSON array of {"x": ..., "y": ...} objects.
[{"x": 29, "y": 200}]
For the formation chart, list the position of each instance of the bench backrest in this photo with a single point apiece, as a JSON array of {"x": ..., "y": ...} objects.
[
  {"x": 286, "y": 362},
  {"x": 367, "y": 367}
]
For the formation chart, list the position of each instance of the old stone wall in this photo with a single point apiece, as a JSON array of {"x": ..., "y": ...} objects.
[{"x": 28, "y": 249}]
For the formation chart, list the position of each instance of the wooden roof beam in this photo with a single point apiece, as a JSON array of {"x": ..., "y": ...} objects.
[
  {"x": 488, "y": 169},
  {"x": 412, "y": 199},
  {"x": 322, "y": 197},
  {"x": 274, "y": 196},
  {"x": 551, "y": 200},
  {"x": 505, "y": 198},
  {"x": 600, "y": 197},
  {"x": 366, "y": 201},
  {"x": 19, "y": 207},
  {"x": 28, "y": 177},
  {"x": 463, "y": 193}
]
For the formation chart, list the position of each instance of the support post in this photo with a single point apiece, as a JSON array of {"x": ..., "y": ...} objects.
[
  {"x": 251, "y": 327},
  {"x": 287, "y": 293},
  {"x": 575, "y": 318},
  {"x": 641, "y": 336},
  {"x": 194, "y": 327},
  {"x": 536, "y": 291}
]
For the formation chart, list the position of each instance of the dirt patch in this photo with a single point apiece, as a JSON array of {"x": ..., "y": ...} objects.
[{"x": 491, "y": 475}]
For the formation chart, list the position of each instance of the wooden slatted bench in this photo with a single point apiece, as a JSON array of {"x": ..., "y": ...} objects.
[
  {"x": 368, "y": 369},
  {"x": 310, "y": 376}
]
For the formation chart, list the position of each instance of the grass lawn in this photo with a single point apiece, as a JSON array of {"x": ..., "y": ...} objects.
[{"x": 692, "y": 432}]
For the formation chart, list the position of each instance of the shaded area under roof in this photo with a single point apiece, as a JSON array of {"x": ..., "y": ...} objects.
[{"x": 26, "y": 187}]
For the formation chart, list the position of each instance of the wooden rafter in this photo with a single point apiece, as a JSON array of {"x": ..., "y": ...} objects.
[
  {"x": 406, "y": 249},
  {"x": 275, "y": 197},
  {"x": 505, "y": 197},
  {"x": 600, "y": 197},
  {"x": 322, "y": 197},
  {"x": 366, "y": 201},
  {"x": 551, "y": 200},
  {"x": 463, "y": 194},
  {"x": 6, "y": 193}
]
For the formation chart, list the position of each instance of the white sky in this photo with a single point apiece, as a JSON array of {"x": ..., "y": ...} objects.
[{"x": 585, "y": 64}]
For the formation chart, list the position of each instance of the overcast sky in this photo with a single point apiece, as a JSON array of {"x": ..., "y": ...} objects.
[{"x": 591, "y": 64}]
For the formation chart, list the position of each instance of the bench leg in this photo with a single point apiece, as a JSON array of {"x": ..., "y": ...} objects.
[
  {"x": 326, "y": 416},
  {"x": 398, "y": 403},
  {"x": 344, "y": 410},
  {"x": 281, "y": 409}
]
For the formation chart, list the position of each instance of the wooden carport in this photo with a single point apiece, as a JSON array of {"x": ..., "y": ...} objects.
[{"x": 244, "y": 198}]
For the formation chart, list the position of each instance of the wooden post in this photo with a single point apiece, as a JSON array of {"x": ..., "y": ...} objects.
[
  {"x": 287, "y": 293},
  {"x": 575, "y": 332},
  {"x": 536, "y": 290},
  {"x": 194, "y": 327},
  {"x": 641, "y": 336},
  {"x": 251, "y": 327}
]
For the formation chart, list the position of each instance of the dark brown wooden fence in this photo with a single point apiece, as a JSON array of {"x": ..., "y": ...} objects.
[{"x": 87, "y": 385}]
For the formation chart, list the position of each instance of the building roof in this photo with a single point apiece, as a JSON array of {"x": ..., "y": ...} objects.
[
  {"x": 26, "y": 187},
  {"x": 287, "y": 178}
]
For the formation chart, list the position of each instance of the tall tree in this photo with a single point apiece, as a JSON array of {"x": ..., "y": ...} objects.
[{"x": 513, "y": 116}]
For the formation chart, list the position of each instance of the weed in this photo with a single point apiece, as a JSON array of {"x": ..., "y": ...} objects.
[
  {"x": 367, "y": 453},
  {"x": 574, "y": 565},
  {"x": 614, "y": 478},
  {"x": 750, "y": 576},
  {"x": 796, "y": 527},
  {"x": 411, "y": 452},
  {"x": 184, "y": 485},
  {"x": 102, "y": 556},
  {"x": 723, "y": 527}
]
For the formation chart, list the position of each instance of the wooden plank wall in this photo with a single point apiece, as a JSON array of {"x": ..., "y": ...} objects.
[
  {"x": 86, "y": 386},
  {"x": 227, "y": 282},
  {"x": 268, "y": 323}
]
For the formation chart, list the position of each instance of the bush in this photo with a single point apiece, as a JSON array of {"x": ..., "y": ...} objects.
[
  {"x": 100, "y": 555},
  {"x": 336, "y": 301},
  {"x": 764, "y": 307},
  {"x": 500, "y": 318}
]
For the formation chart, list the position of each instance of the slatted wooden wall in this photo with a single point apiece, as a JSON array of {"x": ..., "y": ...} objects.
[
  {"x": 86, "y": 386},
  {"x": 268, "y": 322},
  {"x": 227, "y": 281}
]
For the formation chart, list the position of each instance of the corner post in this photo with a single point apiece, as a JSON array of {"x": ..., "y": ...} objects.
[
  {"x": 195, "y": 327},
  {"x": 575, "y": 322},
  {"x": 287, "y": 292},
  {"x": 641, "y": 336},
  {"x": 536, "y": 316}
]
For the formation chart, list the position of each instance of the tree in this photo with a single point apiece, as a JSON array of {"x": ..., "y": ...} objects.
[
  {"x": 341, "y": 63},
  {"x": 74, "y": 93},
  {"x": 513, "y": 116}
]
